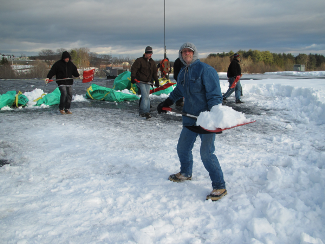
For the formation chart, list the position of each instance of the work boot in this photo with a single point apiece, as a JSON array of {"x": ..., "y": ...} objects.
[
  {"x": 62, "y": 111},
  {"x": 178, "y": 177},
  {"x": 216, "y": 194},
  {"x": 146, "y": 115},
  {"x": 67, "y": 111},
  {"x": 238, "y": 101}
]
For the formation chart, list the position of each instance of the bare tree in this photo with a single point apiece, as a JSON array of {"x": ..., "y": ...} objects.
[
  {"x": 6, "y": 72},
  {"x": 59, "y": 52},
  {"x": 80, "y": 57},
  {"x": 39, "y": 69},
  {"x": 47, "y": 55}
]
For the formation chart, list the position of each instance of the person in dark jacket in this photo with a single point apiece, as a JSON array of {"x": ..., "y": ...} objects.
[
  {"x": 234, "y": 70},
  {"x": 178, "y": 65},
  {"x": 144, "y": 70},
  {"x": 63, "y": 70}
]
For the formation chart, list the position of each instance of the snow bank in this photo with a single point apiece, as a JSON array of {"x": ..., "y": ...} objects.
[
  {"x": 297, "y": 73},
  {"x": 306, "y": 103}
]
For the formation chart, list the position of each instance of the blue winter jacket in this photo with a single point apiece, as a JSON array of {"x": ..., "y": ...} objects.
[{"x": 199, "y": 84}]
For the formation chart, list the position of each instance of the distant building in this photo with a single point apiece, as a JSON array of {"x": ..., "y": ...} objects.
[
  {"x": 299, "y": 67},
  {"x": 113, "y": 72}
]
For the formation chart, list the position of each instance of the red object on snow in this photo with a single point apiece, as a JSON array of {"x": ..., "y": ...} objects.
[
  {"x": 235, "y": 82},
  {"x": 162, "y": 87}
]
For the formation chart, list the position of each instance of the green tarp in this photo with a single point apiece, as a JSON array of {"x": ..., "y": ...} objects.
[
  {"x": 122, "y": 81},
  {"x": 7, "y": 99},
  {"x": 11, "y": 99},
  {"x": 107, "y": 94},
  {"x": 22, "y": 100},
  {"x": 52, "y": 98}
]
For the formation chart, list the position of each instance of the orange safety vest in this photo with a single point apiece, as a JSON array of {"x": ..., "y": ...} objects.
[{"x": 165, "y": 66}]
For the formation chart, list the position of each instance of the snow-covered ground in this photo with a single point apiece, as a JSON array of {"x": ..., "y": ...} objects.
[{"x": 100, "y": 174}]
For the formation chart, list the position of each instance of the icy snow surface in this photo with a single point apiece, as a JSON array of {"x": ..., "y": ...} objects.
[{"x": 100, "y": 174}]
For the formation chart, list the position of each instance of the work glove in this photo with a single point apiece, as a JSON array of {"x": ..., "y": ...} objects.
[
  {"x": 168, "y": 102},
  {"x": 47, "y": 80}
]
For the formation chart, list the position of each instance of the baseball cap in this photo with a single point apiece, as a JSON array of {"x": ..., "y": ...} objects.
[{"x": 191, "y": 48}]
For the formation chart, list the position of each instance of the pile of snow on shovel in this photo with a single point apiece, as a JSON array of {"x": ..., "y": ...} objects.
[{"x": 221, "y": 117}]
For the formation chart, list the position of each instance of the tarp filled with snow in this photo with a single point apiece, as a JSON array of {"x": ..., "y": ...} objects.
[{"x": 104, "y": 93}]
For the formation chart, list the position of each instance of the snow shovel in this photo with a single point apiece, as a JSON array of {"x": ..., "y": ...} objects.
[
  {"x": 162, "y": 87},
  {"x": 217, "y": 130},
  {"x": 88, "y": 75},
  {"x": 235, "y": 82},
  {"x": 148, "y": 83}
]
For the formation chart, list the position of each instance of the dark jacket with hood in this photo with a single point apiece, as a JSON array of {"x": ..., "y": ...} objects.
[
  {"x": 62, "y": 70},
  {"x": 234, "y": 69},
  {"x": 144, "y": 70},
  {"x": 177, "y": 67}
]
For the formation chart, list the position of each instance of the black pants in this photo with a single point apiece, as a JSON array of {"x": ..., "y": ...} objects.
[{"x": 66, "y": 97}]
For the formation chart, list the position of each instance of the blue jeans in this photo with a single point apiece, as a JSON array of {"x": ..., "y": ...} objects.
[
  {"x": 237, "y": 89},
  {"x": 66, "y": 97},
  {"x": 145, "y": 101},
  {"x": 209, "y": 159}
]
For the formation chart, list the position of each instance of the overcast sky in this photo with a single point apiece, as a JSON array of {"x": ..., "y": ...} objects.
[{"x": 126, "y": 27}]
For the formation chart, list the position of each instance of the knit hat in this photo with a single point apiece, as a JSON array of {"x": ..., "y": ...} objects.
[
  {"x": 236, "y": 55},
  {"x": 148, "y": 49}
]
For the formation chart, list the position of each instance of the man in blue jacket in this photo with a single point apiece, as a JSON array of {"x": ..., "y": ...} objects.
[{"x": 199, "y": 84}]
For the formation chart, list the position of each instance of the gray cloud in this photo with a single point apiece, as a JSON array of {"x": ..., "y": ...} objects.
[{"x": 126, "y": 27}]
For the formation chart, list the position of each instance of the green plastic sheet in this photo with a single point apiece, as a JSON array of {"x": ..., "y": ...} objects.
[
  {"x": 107, "y": 94},
  {"x": 122, "y": 81},
  {"x": 52, "y": 98},
  {"x": 22, "y": 100},
  {"x": 7, "y": 99}
]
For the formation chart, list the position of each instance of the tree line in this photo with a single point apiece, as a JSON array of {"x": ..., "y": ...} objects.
[
  {"x": 255, "y": 61},
  {"x": 81, "y": 57}
]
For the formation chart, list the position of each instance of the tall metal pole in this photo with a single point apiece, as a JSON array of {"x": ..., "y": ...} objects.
[{"x": 164, "y": 32}]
